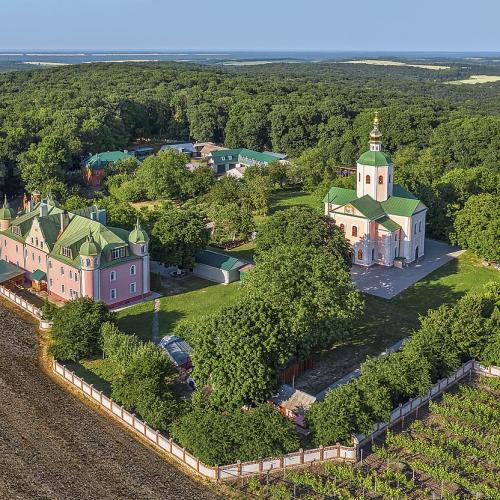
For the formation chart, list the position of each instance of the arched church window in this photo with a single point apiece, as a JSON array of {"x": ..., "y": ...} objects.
[
  {"x": 342, "y": 228},
  {"x": 360, "y": 254},
  {"x": 380, "y": 179},
  {"x": 368, "y": 179},
  {"x": 359, "y": 177},
  {"x": 354, "y": 230}
]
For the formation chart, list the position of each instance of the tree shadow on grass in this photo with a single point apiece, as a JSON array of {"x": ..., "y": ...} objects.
[
  {"x": 386, "y": 321},
  {"x": 168, "y": 320},
  {"x": 90, "y": 377}
]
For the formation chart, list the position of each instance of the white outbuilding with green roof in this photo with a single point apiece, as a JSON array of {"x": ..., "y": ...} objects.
[{"x": 384, "y": 223}]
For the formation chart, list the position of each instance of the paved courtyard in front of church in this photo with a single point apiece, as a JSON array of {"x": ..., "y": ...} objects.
[{"x": 387, "y": 282}]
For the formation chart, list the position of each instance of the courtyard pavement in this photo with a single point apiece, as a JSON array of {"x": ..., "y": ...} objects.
[{"x": 387, "y": 282}]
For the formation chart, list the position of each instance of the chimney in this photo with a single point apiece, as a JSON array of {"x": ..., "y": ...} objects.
[
  {"x": 44, "y": 208},
  {"x": 64, "y": 219},
  {"x": 101, "y": 216},
  {"x": 93, "y": 215}
]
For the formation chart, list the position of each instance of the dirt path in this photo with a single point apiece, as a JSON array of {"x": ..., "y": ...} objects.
[{"x": 54, "y": 446}]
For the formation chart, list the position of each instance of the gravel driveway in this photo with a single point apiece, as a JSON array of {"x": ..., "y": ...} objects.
[{"x": 53, "y": 446}]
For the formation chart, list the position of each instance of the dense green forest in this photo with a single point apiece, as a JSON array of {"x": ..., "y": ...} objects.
[{"x": 445, "y": 139}]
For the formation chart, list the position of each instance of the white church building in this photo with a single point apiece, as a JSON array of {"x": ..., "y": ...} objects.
[{"x": 384, "y": 223}]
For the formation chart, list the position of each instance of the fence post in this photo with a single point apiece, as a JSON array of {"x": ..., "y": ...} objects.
[
  {"x": 338, "y": 449},
  {"x": 100, "y": 398},
  {"x": 170, "y": 442},
  {"x": 321, "y": 452},
  {"x": 301, "y": 451},
  {"x": 64, "y": 371},
  {"x": 158, "y": 441},
  {"x": 238, "y": 468},
  {"x": 121, "y": 412},
  {"x": 133, "y": 416},
  {"x": 260, "y": 466},
  {"x": 217, "y": 472}
]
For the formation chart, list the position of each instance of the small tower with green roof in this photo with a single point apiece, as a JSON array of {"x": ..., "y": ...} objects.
[
  {"x": 375, "y": 171},
  {"x": 138, "y": 241},
  {"x": 90, "y": 253},
  {"x": 7, "y": 214}
]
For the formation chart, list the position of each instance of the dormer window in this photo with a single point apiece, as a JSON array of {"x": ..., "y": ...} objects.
[
  {"x": 66, "y": 252},
  {"x": 380, "y": 179},
  {"x": 118, "y": 253},
  {"x": 368, "y": 179},
  {"x": 16, "y": 230}
]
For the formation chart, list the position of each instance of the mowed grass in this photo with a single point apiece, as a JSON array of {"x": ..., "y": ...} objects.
[
  {"x": 291, "y": 198},
  {"x": 385, "y": 322},
  {"x": 187, "y": 298}
]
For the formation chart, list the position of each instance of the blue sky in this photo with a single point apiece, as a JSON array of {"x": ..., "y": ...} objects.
[{"x": 450, "y": 25}]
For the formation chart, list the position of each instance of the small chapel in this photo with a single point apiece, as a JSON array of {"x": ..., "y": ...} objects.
[{"x": 384, "y": 223}]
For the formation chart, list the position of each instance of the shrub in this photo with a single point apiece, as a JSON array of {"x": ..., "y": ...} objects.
[
  {"x": 224, "y": 437},
  {"x": 77, "y": 327}
]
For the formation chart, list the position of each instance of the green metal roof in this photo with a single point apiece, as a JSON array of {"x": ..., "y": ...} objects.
[
  {"x": 369, "y": 207},
  {"x": 388, "y": 224},
  {"x": 241, "y": 154},
  {"x": 340, "y": 196},
  {"x": 38, "y": 275},
  {"x": 401, "y": 192},
  {"x": 219, "y": 260},
  {"x": 400, "y": 206},
  {"x": 100, "y": 160},
  {"x": 9, "y": 271},
  {"x": 375, "y": 159}
]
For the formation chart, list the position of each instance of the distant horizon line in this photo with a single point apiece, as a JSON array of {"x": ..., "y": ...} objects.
[{"x": 203, "y": 51}]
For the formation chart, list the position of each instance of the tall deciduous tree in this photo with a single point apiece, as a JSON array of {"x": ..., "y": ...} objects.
[
  {"x": 178, "y": 236},
  {"x": 162, "y": 176},
  {"x": 302, "y": 226},
  {"x": 477, "y": 226},
  {"x": 312, "y": 289}
]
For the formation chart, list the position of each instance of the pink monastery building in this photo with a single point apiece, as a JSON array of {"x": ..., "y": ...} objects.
[{"x": 76, "y": 254}]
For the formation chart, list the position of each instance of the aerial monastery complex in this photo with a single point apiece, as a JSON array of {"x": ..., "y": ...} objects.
[
  {"x": 75, "y": 254},
  {"x": 384, "y": 223}
]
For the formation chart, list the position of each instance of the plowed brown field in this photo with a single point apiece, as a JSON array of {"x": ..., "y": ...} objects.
[{"x": 53, "y": 446}]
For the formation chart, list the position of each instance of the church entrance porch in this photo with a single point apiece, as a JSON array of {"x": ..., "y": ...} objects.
[{"x": 387, "y": 282}]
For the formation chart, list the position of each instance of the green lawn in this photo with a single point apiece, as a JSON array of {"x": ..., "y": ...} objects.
[
  {"x": 386, "y": 321},
  {"x": 186, "y": 298},
  {"x": 291, "y": 198}
]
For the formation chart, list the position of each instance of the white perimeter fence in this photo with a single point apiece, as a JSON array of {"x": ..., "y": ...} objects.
[
  {"x": 22, "y": 303},
  {"x": 301, "y": 457}
]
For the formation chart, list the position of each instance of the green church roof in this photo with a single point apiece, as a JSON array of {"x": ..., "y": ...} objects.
[
  {"x": 369, "y": 207},
  {"x": 340, "y": 196},
  {"x": 375, "y": 159},
  {"x": 388, "y": 224}
]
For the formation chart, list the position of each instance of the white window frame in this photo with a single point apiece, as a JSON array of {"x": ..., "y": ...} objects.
[
  {"x": 133, "y": 270},
  {"x": 133, "y": 287},
  {"x": 112, "y": 294},
  {"x": 112, "y": 276}
]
